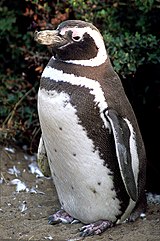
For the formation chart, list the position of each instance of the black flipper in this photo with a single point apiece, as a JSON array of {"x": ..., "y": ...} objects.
[{"x": 121, "y": 133}]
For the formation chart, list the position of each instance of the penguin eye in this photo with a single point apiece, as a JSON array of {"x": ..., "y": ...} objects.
[{"x": 76, "y": 38}]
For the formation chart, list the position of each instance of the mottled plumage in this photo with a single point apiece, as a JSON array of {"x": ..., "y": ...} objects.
[{"x": 89, "y": 131}]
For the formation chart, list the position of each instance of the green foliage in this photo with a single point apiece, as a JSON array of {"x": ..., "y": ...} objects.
[
  {"x": 18, "y": 109},
  {"x": 7, "y": 20},
  {"x": 20, "y": 68},
  {"x": 130, "y": 30},
  {"x": 144, "y": 5},
  {"x": 127, "y": 28},
  {"x": 129, "y": 51}
]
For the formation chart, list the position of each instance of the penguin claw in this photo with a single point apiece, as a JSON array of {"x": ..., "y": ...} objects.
[
  {"x": 60, "y": 217},
  {"x": 95, "y": 228}
]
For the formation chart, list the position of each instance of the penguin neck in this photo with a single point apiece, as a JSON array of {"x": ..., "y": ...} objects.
[{"x": 91, "y": 72}]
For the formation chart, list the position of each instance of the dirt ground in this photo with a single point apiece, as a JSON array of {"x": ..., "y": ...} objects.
[{"x": 23, "y": 214}]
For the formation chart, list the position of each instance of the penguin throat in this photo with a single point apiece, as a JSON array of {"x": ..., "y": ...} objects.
[{"x": 92, "y": 62}]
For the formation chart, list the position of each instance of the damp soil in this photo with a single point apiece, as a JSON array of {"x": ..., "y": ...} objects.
[{"x": 24, "y": 214}]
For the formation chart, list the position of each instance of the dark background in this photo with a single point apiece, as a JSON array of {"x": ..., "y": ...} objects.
[{"x": 131, "y": 31}]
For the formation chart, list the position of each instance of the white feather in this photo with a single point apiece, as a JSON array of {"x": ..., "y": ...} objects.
[
  {"x": 92, "y": 85},
  {"x": 78, "y": 167}
]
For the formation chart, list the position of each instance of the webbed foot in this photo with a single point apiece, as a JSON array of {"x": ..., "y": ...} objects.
[
  {"x": 61, "y": 217},
  {"x": 95, "y": 228}
]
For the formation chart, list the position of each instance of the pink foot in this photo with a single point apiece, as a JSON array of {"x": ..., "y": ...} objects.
[
  {"x": 95, "y": 228},
  {"x": 61, "y": 217}
]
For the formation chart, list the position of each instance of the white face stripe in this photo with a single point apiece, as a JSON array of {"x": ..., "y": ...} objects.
[
  {"x": 92, "y": 85},
  {"x": 133, "y": 151},
  {"x": 102, "y": 54}
]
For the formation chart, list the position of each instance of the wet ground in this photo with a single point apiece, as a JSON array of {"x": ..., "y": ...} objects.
[{"x": 27, "y": 199}]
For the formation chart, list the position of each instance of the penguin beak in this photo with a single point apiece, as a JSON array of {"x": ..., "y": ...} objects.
[{"x": 48, "y": 37}]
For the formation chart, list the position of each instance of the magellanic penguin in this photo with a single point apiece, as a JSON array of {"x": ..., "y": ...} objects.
[{"x": 89, "y": 131}]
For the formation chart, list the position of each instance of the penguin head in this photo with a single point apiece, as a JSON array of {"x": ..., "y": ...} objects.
[{"x": 74, "y": 40}]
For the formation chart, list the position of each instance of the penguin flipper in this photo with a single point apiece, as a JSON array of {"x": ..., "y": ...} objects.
[
  {"x": 42, "y": 158},
  {"x": 121, "y": 133}
]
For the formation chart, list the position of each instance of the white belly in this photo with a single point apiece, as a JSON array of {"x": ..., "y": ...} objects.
[{"x": 83, "y": 185}]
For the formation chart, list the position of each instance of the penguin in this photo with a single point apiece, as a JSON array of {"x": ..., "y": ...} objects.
[{"x": 90, "y": 135}]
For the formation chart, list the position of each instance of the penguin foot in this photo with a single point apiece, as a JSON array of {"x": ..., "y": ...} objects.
[
  {"x": 135, "y": 215},
  {"x": 139, "y": 210},
  {"x": 95, "y": 228},
  {"x": 60, "y": 217}
]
